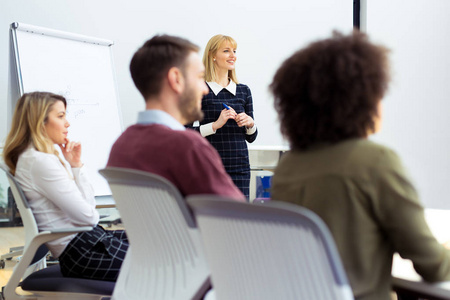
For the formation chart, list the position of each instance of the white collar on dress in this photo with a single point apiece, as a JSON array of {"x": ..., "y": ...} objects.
[{"x": 216, "y": 88}]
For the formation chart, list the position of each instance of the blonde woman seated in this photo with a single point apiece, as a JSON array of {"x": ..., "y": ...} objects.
[{"x": 59, "y": 197}]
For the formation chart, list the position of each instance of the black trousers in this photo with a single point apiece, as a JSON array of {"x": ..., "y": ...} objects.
[{"x": 96, "y": 254}]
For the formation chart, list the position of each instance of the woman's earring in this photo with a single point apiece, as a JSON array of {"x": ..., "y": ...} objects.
[{"x": 214, "y": 59}]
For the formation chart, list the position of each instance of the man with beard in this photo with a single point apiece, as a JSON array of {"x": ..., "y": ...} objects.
[{"x": 169, "y": 74}]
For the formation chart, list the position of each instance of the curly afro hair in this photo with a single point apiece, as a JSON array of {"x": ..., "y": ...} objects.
[{"x": 330, "y": 90}]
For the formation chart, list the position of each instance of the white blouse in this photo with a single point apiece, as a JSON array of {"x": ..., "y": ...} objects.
[{"x": 57, "y": 200}]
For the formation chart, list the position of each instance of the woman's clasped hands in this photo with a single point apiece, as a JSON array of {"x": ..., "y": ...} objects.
[{"x": 242, "y": 119}]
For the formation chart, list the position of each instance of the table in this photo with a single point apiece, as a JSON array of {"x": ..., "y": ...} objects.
[
  {"x": 106, "y": 201},
  {"x": 405, "y": 278},
  {"x": 263, "y": 161}
]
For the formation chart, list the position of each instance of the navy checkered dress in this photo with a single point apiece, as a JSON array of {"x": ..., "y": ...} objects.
[{"x": 230, "y": 140}]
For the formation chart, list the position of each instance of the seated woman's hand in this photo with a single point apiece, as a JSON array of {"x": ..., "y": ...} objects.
[{"x": 72, "y": 153}]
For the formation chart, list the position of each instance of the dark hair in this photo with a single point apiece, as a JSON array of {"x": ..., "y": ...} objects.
[
  {"x": 153, "y": 60},
  {"x": 329, "y": 91}
]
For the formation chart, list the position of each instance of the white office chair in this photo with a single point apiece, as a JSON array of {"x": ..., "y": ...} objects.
[
  {"x": 13, "y": 251},
  {"x": 165, "y": 259},
  {"x": 31, "y": 273},
  {"x": 268, "y": 251}
]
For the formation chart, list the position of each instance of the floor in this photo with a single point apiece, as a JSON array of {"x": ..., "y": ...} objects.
[{"x": 9, "y": 237}]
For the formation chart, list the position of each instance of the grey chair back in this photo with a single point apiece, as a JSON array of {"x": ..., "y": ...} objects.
[
  {"x": 268, "y": 251},
  {"x": 165, "y": 259}
]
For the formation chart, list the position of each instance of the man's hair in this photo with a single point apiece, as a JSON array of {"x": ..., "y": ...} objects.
[
  {"x": 329, "y": 91},
  {"x": 153, "y": 60}
]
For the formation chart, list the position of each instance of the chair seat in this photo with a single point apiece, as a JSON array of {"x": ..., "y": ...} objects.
[{"x": 51, "y": 280}]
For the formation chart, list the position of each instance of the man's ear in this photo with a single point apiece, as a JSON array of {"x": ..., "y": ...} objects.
[{"x": 176, "y": 80}]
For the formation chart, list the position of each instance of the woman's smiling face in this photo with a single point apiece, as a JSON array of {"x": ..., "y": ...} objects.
[{"x": 225, "y": 57}]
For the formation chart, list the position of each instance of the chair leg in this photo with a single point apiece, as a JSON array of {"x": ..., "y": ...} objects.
[{"x": 14, "y": 251}]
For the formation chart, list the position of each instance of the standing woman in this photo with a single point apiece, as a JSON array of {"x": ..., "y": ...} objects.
[
  {"x": 59, "y": 198},
  {"x": 228, "y": 110}
]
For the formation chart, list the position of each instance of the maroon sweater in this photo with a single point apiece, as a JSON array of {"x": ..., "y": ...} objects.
[{"x": 184, "y": 158}]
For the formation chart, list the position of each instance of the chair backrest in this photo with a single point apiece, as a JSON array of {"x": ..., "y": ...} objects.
[
  {"x": 22, "y": 205},
  {"x": 165, "y": 259},
  {"x": 28, "y": 221},
  {"x": 268, "y": 251}
]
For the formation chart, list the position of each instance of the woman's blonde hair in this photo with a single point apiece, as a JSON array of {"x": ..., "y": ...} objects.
[
  {"x": 28, "y": 127},
  {"x": 211, "y": 49}
]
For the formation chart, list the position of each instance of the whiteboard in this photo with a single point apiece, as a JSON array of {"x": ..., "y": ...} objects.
[{"x": 81, "y": 69}]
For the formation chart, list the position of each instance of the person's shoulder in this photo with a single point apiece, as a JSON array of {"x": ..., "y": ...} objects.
[
  {"x": 192, "y": 136},
  {"x": 31, "y": 154},
  {"x": 136, "y": 127},
  {"x": 368, "y": 144},
  {"x": 135, "y": 130},
  {"x": 193, "y": 141},
  {"x": 37, "y": 162},
  {"x": 243, "y": 89},
  {"x": 242, "y": 86},
  {"x": 377, "y": 155},
  {"x": 376, "y": 148}
]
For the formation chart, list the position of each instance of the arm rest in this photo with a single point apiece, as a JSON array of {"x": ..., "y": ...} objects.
[
  {"x": 422, "y": 289},
  {"x": 69, "y": 231},
  {"x": 30, "y": 250}
]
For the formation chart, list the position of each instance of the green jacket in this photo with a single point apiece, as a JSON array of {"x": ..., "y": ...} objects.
[{"x": 362, "y": 192}]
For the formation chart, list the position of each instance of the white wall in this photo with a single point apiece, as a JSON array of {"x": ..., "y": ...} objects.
[
  {"x": 417, "y": 107},
  {"x": 266, "y": 32}
]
